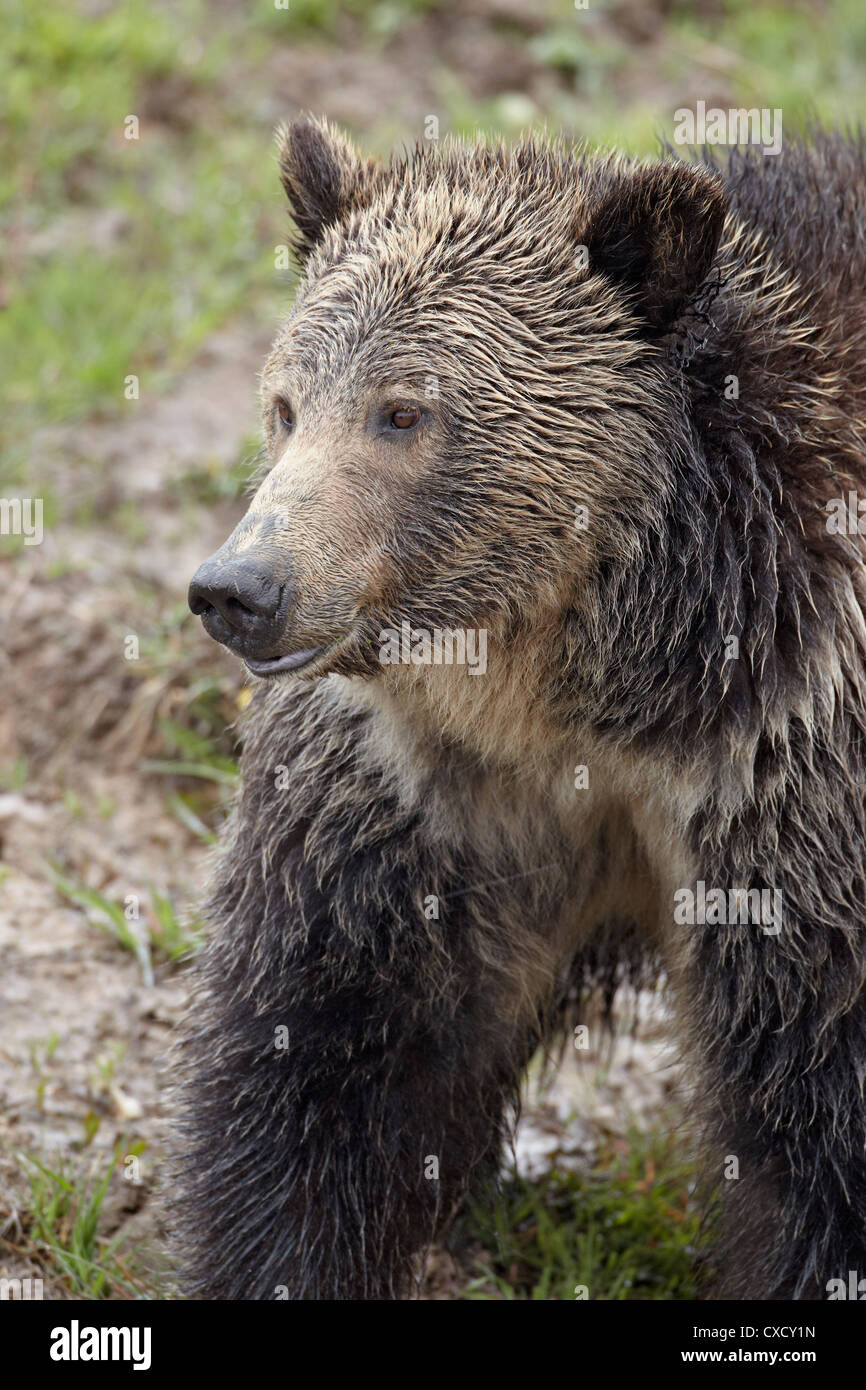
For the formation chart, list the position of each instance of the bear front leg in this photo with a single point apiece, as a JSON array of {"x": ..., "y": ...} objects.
[
  {"x": 778, "y": 1011},
  {"x": 360, "y": 1028},
  {"x": 340, "y": 1114}
]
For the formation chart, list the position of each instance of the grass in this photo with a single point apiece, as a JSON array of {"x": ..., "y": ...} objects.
[
  {"x": 628, "y": 1230},
  {"x": 197, "y": 754},
  {"x": 13, "y": 776},
  {"x": 62, "y": 1218},
  {"x": 154, "y": 933},
  {"x": 123, "y": 253},
  {"x": 41, "y": 1051},
  {"x": 173, "y": 935},
  {"x": 180, "y": 719},
  {"x": 64, "y": 1224},
  {"x": 800, "y": 57}
]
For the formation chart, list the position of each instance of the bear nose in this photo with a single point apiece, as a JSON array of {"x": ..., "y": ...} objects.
[{"x": 240, "y": 589}]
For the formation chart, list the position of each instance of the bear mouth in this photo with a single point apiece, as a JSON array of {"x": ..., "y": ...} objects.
[{"x": 274, "y": 665}]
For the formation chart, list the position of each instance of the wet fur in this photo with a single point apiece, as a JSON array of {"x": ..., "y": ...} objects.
[{"x": 304, "y": 1169}]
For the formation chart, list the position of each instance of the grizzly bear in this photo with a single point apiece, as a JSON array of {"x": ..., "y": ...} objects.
[{"x": 554, "y": 591}]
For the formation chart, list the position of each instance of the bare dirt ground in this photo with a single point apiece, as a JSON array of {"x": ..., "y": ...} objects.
[
  {"x": 84, "y": 717},
  {"x": 83, "y": 1031}
]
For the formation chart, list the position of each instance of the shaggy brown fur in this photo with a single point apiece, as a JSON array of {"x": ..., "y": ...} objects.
[{"x": 451, "y": 282}]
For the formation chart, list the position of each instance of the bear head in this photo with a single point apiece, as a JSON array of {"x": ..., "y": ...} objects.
[{"x": 470, "y": 407}]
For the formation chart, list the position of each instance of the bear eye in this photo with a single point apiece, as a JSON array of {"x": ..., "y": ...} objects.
[
  {"x": 406, "y": 418},
  {"x": 285, "y": 413}
]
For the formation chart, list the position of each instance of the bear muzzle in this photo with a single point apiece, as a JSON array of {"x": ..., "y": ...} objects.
[{"x": 242, "y": 606}]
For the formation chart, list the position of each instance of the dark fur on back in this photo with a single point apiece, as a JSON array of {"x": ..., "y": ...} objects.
[{"x": 306, "y": 1168}]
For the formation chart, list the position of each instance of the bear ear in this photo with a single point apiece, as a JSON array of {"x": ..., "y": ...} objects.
[
  {"x": 323, "y": 175},
  {"x": 655, "y": 231}
]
